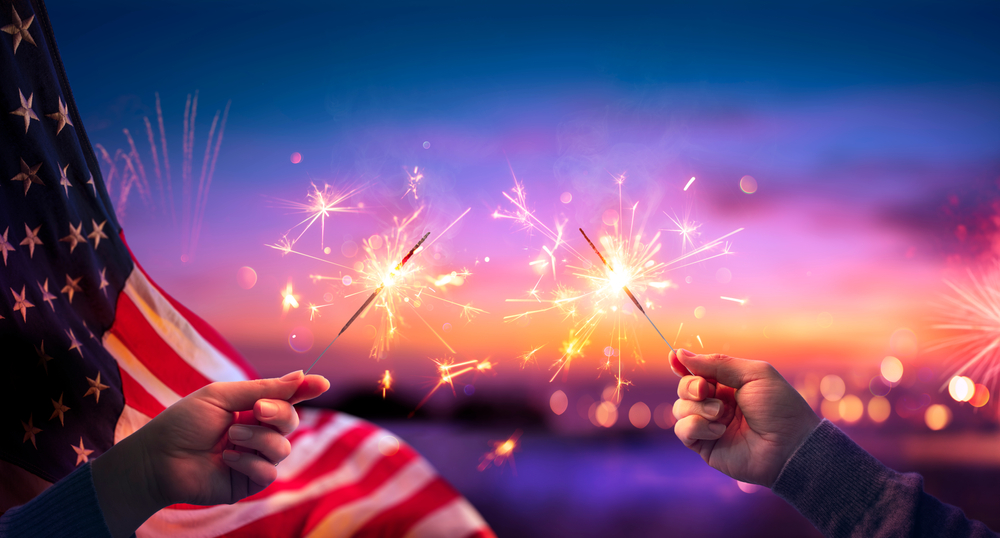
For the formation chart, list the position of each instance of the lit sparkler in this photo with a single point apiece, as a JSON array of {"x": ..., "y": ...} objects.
[
  {"x": 630, "y": 266},
  {"x": 385, "y": 384},
  {"x": 503, "y": 452},
  {"x": 387, "y": 280}
]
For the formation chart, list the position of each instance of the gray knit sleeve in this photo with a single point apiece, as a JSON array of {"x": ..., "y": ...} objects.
[
  {"x": 67, "y": 508},
  {"x": 845, "y": 492}
]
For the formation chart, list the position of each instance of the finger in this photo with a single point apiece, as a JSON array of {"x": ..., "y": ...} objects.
[
  {"x": 260, "y": 471},
  {"x": 270, "y": 444},
  {"x": 710, "y": 409},
  {"x": 695, "y": 388},
  {"x": 694, "y": 428},
  {"x": 241, "y": 395},
  {"x": 679, "y": 369},
  {"x": 277, "y": 413},
  {"x": 311, "y": 387},
  {"x": 726, "y": 370}
]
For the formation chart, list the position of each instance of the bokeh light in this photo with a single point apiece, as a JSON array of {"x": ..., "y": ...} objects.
[
  {"x": 663, "y": 416},
  {"x": 937, "y": 417},
  {"x": 892, "y": 369},
  {"x": 879, "y": 386},
  {"x": 300, "y": 339},
  {"x": 296, "y": 158},
  {"x": 824, "y": 319},
  {"x": 558, "y": 402},
  {"x": 606, "y": 414},
  {"x": 748, "y": 184},
  {"x": 427, "y": 144},
  {"x": 961, "y": 388},
  {"x": 832, "y": 387},
  {"x": 981, "y": 396},
  {"x": 349, "y": 249},
  {"x": 851, "y": 408},
  {"x": 388, "y": 445},
  {"x": 723, "y": 275},
  {"x": 610, "y": 217},
  {"x": 246, "y": 277},
  {"x": 639, "y": 415},
  {"x": 347, "y": 280},
  {"x": 879, "y": 409},
  {"x": 566, "y": 197},
  {"x": 699, "y": 312}
]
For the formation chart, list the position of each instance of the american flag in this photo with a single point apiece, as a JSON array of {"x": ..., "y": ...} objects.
[{"x": 91, "y": 348}]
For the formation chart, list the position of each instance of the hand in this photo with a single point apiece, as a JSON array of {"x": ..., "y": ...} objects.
[
  {"x": 219, "y": 444},
  {"x": 741, "y": 416}
]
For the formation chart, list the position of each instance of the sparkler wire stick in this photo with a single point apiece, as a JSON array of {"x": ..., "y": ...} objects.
[
  {"x": 627, "y": 291},
  {"x": 370, "y": 299}
]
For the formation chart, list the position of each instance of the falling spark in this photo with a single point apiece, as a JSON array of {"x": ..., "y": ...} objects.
[
  {"x": 385, "y": 384},
  {"x": 698, "y": 336},
  {"x": 448, "y": 371},
  {"x": 387, "y": 280},
  {"x": 529, "y": 356},
  {"x": 414, "y": 180},
  {"x": 320, "y": 204},
  {"x": 741, "y": 301},
  {"x": 288, "y": 299},
  {"x": 690, "y": 181},
  {"x": 502, "y": 452}
]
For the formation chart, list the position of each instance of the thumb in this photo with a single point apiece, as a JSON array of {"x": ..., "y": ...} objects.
[
  {"x": 241, "y": 395},
  {"x": 726, "y": 370}
]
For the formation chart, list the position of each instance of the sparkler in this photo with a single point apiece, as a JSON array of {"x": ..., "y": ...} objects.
[
  {"x": 389, "y": 280},
  {"x": 385, "y": 384},
  {"x": 624, "y": 287}
]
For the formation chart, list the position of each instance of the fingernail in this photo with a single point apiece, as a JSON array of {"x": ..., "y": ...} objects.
[
  {"x": 291, "y": 376},
  {"x": 717, "y": 428},
  {"x": 240, "y": 433},
  {"x": 230, "y": 455},
  {"x": 685, "y": 353},
  {"x": 713, "y": 407},
  {"x": 268, "y": 409}
]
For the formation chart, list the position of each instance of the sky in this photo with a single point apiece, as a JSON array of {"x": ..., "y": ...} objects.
[{"x": 871, "y": 129}]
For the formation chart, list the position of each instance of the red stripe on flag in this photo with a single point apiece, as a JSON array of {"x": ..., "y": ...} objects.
[
  {"x": 137, "y": 397},
  {"x": 302, "y": 518},
  {"x": 204, "y": 329},
  {"x": 324, "y": 418},
  {"x": 399, "y": 519},
  {"x": 483, "y": 533},
  {"x": 132, "y": 328}
]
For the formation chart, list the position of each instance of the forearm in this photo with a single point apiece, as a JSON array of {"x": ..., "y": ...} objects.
[
  {"x": 125, "y": 489},
  {"x": 845, "y": 492},
  {"x": 67, "y": 508}
]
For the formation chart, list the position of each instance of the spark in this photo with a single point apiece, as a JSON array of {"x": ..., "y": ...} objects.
[
  {"x": 502, "y": 452},
  {"x": 690, "y": 181},
  {"x": 448, "y": 371},
  {"x": 698, "y": 336},
  {"x": 529, "y": 356},
  {"x": 414, "y": 180},
  {"x": 385, "y": 384},
  {"x": 288, "y": 299},
  {"x": 320, "y": 204},
  {"x": 741, "y": 301}
]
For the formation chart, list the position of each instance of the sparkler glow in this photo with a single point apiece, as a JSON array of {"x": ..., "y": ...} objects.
[
  {"x": 385, "y": 384},
  {"x": 630, "y": 266},
  {"x": 387, "y": 280}
]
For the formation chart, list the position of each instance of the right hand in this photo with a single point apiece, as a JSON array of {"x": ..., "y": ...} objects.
[{"x": 741, "y": 416}]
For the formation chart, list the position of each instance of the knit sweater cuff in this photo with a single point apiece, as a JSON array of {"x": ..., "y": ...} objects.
[
  {"x": 67, "y": 508},
  {"x": 831, "y": 480}
]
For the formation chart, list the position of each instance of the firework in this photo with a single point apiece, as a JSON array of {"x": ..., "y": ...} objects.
[
  {"x": 320, "y": 204},
  {"x": 503, "y": 452},
  {"x": 973, "y": 316}
]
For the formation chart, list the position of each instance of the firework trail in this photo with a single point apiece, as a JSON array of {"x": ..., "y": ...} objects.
[{"x": 973, "y": 316}]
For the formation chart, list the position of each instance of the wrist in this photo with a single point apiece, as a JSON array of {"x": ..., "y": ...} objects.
[{"x": 126, "y": 485}]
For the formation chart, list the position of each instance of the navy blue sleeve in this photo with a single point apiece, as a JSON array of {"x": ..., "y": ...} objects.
[
  {"x": 845, "y": 492},
  {"x": 67, "y": 508}
]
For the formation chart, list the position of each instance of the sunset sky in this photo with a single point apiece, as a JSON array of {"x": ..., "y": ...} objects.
[{"x": 872, "y": 133}]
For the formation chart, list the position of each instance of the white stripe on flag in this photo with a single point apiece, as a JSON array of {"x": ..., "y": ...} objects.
[
  {"x": 220, "y": 519},
  {"x": 308, "y": 447},
  {"x": 457, "y": 518},
  {"x": 128, "y": 422},
  {"x": 135, "y": 368},
  {"x": 178, "y": 333},
  {"x": 347, "y": 519}
]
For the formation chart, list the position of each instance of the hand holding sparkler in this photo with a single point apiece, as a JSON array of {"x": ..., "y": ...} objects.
[
  {"x": 625, "y": 287},
  {"x": 387, "y": 282},
  {"x": 739, "y": 415}
]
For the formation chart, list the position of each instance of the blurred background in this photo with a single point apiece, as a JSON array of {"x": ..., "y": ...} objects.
[{"x": 855, "y": 145}]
